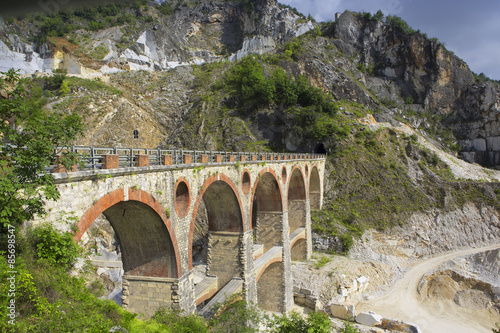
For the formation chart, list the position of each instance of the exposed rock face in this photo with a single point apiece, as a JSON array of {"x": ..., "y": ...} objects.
[
  {"x": 205, "y": 33},
  {"x": 430, "y": 233},
  {"x": 413, "y": 66}
]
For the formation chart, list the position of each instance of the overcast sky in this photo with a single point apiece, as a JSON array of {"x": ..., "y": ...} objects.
[{"x": 471, "y": 29}]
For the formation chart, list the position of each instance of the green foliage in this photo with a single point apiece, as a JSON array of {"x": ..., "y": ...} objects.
[
  {"x": 347, "y": 242},
  {"x": 247, "y": 77},
  {"x": 497, "y": 330},
  {"x": 409, "y": 100},
  {"x": 398, "y": 23},
  {"x": 177, "y": 322},
  {"x": 59, "y": 249},
  {"x": 379, "y": 16},
  {"x": 25, "y": 155},
  {"x": 64, "y": 90},
  {"x": 348, "y": 328},
  {"x": 235, "y": 315},
  {"x": 92, "y": 85},
  {"x": 166, "y": 8},
  {"x": 293, "y": 49},
  {"x": 316, "y": 322},
  {"x": 322, "y": 262}
]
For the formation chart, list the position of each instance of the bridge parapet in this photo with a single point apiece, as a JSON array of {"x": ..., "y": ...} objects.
[{"x": 96, "y": 158}]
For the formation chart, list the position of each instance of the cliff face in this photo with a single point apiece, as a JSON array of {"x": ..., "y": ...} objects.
[
  {"x": 421, "y": 72},
  {"x": 191, "y": 34}
]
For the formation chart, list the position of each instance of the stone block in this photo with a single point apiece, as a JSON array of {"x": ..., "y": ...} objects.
[
  {"x": 242, "y": 158},
  {"x": 204, "y": 158},
  {"x": 346, "y": 312},
  {"x": 218, "y": 158},
  {"x": 493, "y": 143},
  {"x": 369, "y": 318},
  {"x": 254, "y": 158},
  {"x": 478, "y": 144},
  {"x": 231, "y": 158},
  {"x": 187, "y": 158}
]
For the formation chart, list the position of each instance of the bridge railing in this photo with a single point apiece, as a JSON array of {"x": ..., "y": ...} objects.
[{"x": 94, "y": 158}]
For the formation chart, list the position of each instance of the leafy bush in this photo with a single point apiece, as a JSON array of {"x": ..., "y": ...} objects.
[
  {"x": 234, "y": 315},
  {"x": 347, "y": 242},
  {"x": 316, "y": 322},
  {"x": 179, "y": 323},
  {"x": 57, "y": 248},
  {"x": 399, "y": 23}
]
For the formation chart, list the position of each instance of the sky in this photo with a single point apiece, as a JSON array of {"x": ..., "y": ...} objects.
[{"x": 471, "y": 29}]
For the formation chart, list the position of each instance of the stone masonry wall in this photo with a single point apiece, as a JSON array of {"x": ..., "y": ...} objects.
[
  {"x": 296, "y": 214},
  {"x": 269, "y": 229},
  {"x": 144, "y": 295},
  {"x": 224, "y": 256},
  {"x": 271, "y": 288}
]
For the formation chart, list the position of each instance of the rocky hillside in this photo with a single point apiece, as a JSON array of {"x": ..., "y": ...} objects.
[{"x": 179, "y": 74}]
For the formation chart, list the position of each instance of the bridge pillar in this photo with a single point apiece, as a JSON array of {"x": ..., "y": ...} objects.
[
  {"x": 111, "y": 161},
  {"x": 142, "y": 160},
  {"x": 248, "y": 268}
]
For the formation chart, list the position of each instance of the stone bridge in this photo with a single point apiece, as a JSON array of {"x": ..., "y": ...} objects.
[{"x": 257, "y": 207}]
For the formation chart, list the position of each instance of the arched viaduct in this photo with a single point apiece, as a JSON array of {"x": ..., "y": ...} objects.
[{"x": 257, "y": 206}]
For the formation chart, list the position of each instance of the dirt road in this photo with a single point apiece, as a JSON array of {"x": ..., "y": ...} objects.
[{"x": 403, "y": 302}]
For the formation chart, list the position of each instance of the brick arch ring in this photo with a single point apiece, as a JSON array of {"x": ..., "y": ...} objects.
[
  {"x": 256, "y": 183},
  {"x": 206, "y": 184},
  {"x": 117, "y": 196},
  {"x": 303, "y": 179},
  {"x": 269, "y": 263}
]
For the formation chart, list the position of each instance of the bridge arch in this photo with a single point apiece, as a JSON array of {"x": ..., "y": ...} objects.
[
  {"x": 225, "y": 225},
  {"x": 147, "y": 239},
  {"x": 271, "y": 287},
  {"x": 315, "y": 189},
  {"x": 297, "y": 196},
  {"x": 267, "y": 209}
]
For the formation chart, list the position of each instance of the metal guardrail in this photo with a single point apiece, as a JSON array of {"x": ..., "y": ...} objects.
[{"x": 92, "y": 158}]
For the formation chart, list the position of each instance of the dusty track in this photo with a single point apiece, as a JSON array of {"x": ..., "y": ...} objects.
[{"x": 403, "y": 302}]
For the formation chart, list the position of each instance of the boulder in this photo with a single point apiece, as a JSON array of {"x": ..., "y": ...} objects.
[
  {"x": 343, "y": 311},
  {"x": 369, "y": 318}
]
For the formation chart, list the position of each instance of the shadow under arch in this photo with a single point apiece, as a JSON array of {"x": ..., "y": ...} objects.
[
  {"x": 315, "y": 189},
  {"x": 297, "y": 196},
  {"x": 147, "y": 239},
  {"x": 267, "y": 209},
  {"x": 224, "y": 209}
]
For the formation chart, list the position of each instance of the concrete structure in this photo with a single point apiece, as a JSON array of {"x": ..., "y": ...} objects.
[{"x": 257, "y": 205}]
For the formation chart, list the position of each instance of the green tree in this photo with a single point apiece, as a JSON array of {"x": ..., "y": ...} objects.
[
  {"x": 64, "y": 90},
  {"x": 29, "y": 135}
]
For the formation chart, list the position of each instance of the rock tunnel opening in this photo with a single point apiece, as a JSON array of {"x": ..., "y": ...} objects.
[{"x": 320, "y": 149}]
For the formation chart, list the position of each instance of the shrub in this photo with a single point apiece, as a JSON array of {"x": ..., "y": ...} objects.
[
  {"x": 316, "y": 322},
  {"x": 234, "y": 315},
  {"x": 180, "y": 323},
  {"x": 57, "y": 248},
  {"x": 399, "y": 23},
  {"x": 347, "y": 242}
]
